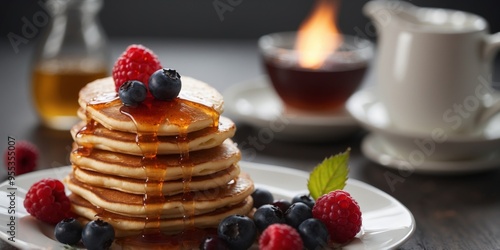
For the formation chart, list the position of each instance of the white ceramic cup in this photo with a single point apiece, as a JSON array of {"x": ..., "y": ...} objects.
[{"x": 433, "y": 68}]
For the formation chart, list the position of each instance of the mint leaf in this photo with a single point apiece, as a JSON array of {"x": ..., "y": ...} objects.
[{"x": 329, "y": 175}]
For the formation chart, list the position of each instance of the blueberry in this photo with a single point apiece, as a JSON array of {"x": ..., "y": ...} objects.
[
  {"x": 297, "y": 213},
  {"x": 165, "y": 84},
  {"x": 282, "y": 204},
  {"x": 98, "y": 234},
  {"x": 238, "y": 231},
  {"x": 213, "y": 242},
  {"x": 305, "y": 199},
  {"x": 267, "y": 215},
  {"x": 314, "y": 234},
  {"x": 132, "y": 93},
  {"x": 68, "y": 231},
  {"x": 261, "y": 197}
]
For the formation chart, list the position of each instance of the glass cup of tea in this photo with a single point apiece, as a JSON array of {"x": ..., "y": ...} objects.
[{"x": 321, "y": 87}]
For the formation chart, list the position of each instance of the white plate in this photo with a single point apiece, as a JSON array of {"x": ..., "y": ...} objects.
[
  {"x": 386, "y": 222},
  {"x": 374, "y": 148},
  {"x": 255, "y": 103},
  {"x": 366, "y": 108}
]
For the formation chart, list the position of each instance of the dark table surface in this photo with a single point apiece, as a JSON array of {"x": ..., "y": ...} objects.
[{"x": 451, "y": 212}]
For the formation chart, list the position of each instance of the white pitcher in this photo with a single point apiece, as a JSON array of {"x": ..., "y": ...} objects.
[{"x": 433, "y": 67}]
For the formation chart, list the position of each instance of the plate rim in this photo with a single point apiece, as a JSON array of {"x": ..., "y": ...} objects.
[{"x": 244, "y": 165}]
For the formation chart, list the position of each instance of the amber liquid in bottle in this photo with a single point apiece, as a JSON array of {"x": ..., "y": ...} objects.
[{"x": 55, "y": 89}]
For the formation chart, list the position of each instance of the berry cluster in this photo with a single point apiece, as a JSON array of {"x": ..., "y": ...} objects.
[
  {"x": 47, "y": 201},
  {"x": 138, "y": 73},
  {"x": 335, "y": 218},
  {"x": 135, "y": 63},
  {"x": 96, "y": 234}
]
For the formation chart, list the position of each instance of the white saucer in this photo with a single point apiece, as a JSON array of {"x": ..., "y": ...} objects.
[
  {"x": 254, "y": 102},
  {"x": 371, "y": 114},
  {"x": 374, "y": 148}
]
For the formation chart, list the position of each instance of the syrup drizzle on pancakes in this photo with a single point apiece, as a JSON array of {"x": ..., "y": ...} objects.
[{"x": 147, "y": 117}]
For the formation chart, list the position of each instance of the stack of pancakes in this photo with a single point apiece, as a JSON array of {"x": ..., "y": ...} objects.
[{"x": 162, "y": 166}]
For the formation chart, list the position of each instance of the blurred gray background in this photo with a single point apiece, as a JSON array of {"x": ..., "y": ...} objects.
[{"x": 244, "y": 19}]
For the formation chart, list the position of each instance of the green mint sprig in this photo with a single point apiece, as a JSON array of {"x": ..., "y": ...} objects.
[{"x": 329, "y": 175}]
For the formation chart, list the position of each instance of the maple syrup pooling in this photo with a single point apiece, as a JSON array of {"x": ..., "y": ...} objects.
[{"x": 148, "y": 117}]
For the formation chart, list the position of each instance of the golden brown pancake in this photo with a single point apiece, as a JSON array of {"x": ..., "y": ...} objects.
[
  {"x": 172, "y": 207},
  {"x": 101, "y": 104},
  {"x": 138, "y": 186},
  {"x": 161, "y": 165},
  {"x": 123, "y": 142},
  {"x": 125, "y": 225},
  {"x": 205, "y": 162}
]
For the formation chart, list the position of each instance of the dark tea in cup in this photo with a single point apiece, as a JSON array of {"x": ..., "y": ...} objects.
[{"x": 321, "y": 89}]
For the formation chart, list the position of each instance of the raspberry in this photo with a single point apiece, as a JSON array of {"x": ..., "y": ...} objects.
[
  {"x": 341, "y": 215},
  {"x": 136, "y": 63},
  {"x": 21, "y": 157},
  {"x": 47, "y": 201},
  {"x": 280, "y": 236}
]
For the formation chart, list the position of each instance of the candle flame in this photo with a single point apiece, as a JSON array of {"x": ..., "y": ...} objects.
[{"x": 318, "y": 35}]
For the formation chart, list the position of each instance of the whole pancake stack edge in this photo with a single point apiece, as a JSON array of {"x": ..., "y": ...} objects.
[{"x": 161, "y": 167}]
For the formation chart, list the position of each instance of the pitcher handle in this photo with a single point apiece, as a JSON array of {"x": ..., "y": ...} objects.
[
  {"x": 492, "y": 103},
  {"x": 492, "y": 108},
  {"x": 492, "y": 44}
]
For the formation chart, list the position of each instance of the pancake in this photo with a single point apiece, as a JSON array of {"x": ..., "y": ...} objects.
[
  {"x": 197, "y": 105},
  {"x": 172, "y": 207},
  {"x": 205, "y": 162},
  {"x": 125, "y": 225},
  {"x": 123, "y": 142},
  {"x": 136, "y": 186},
  {"x": 157, "y": 166}
]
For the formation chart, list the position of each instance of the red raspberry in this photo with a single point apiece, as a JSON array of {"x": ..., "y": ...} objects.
[
  {"x": 136, "y": 63},
  {"x": 21, "y": 159},
  {"x": 341, "y": 215},
  {"x": 47, "y": 201},
  {"x": 280, "y": 236}
]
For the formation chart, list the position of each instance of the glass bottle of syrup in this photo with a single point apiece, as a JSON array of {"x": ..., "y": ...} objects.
[{"x": 72, "y": 52}]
